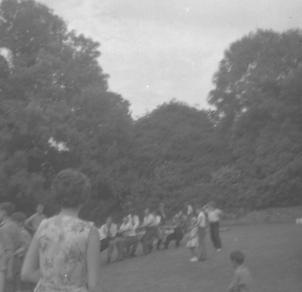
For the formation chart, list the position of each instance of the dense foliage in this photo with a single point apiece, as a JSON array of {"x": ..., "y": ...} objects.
[{"x": 56, "y": 111}]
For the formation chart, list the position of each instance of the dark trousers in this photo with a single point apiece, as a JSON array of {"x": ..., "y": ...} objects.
[
  {"x": 215, "y": 236},
  {"x": 104, "y": 243},
  {"x": 176, "y": 236}
]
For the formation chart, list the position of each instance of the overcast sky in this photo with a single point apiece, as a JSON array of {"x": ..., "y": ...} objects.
[{"x": 156, "y": 50}]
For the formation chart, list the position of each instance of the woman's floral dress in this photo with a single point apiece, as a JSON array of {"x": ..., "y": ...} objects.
[{"x": 62, "y": 254}]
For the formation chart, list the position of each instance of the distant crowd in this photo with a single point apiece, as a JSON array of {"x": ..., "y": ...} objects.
[
  {"x": 156, "y": 231},
  {"x": 62, "y": 253}
]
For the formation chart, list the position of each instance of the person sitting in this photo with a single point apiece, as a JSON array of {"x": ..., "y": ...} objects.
[
  {"x": 179, "y": 222},
  {"x": 108, "y": 233},
  {"x": 150, "y": 226},
  {"x": 128, "y": 232},
  {"x": 64, "y": 254}
]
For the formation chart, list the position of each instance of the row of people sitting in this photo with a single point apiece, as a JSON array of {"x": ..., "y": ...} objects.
[{"x": 125, "y": 238}]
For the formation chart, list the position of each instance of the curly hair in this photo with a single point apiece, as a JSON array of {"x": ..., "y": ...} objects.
[{"x": 71, "y": 188}]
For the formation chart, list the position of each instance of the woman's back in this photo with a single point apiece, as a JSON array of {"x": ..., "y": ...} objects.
[{"x": 63, "y": 244}]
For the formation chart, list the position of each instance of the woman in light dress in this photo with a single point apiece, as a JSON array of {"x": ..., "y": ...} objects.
[
  {"x": 192, "y": 239},
  {"x": 64, "y": 253}
]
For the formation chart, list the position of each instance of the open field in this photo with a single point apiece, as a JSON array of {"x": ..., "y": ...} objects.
[{"x": 274, "y": 255}]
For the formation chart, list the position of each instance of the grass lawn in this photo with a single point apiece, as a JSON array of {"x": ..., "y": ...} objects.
[{"x": 274, "y": 255}]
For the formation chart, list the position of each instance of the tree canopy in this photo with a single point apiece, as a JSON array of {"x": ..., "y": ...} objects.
[{"x": 56, "y": 111}]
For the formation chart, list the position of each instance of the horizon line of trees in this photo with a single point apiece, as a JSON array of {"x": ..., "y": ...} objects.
[{"x": 56, "y": 111}]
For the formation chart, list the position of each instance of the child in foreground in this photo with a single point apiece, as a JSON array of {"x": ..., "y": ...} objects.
[{"x": 242, "y": 278}]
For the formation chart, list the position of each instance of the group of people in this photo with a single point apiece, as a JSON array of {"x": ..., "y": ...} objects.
[
  {"x": 16, "y": 231},
  {"x": 62, "y": 253},
  {"x": 155, "y": 230}
]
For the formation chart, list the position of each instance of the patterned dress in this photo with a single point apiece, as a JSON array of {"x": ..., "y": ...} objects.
[{"x": 62, "y": 254}]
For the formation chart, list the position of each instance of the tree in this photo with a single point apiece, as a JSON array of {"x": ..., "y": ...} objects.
[
  {"x": 54, "y": 93},
  {"x": 258, "y": 103}
]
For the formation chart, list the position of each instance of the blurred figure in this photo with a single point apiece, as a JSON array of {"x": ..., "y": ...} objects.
[
  {"x": 108, "y": 233},
  {"x": 25, "y": 236},
  {"x": 242, "y": 279},
  {"x": 11, "y": 243},
  {"x": 201, "y": 224},
  {"x": 214, "y": 215},
  {"x": 162, "y": 212},
  {"x": 149, "y": 224},
  {"x": 189, "y": 210},
  {"x": 2, "y": 265},
  {"x": 179, "y": 221},
  {"x": 128, "y": 232},
  {"x": 33, "y": 222},
  {"x": 192, "y": 239},
  {"x": 64, "y": 253}
]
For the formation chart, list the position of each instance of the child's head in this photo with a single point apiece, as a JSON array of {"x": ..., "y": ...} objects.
[{"x": 237, "y": 258}]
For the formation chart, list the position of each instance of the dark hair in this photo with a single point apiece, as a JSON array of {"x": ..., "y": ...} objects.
[
  {"x": 237, "y": 257},
  {"x": 18, "y": 217},
  {"x": 71, "y": 188},
  {"x": 7, "y": 207}
]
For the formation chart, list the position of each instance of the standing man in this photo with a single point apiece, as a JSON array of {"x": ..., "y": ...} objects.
[
  {"x": 33, "y": 222},
  {"x": 214, "y": 215},
  {"x": 201, "y": 224}
]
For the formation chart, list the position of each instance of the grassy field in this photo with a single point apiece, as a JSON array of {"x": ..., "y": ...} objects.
[{"x": 274, "y": 255}]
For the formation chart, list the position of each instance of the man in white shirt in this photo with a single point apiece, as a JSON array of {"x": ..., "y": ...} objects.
[
  {"x": 201, "y": 223},
  {"x": 214, "y": 215},
  {"x": 108, "y": 233}
]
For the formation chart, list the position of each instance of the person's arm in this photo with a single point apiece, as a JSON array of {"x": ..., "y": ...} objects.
[
  {"x": 29, "y": 222},
  {"x": 93, "y": 261},
  {"x": 30, "y": 270}
]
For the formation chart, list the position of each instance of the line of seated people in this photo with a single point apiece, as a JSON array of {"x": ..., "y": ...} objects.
[{"x": 125, "y": 238}]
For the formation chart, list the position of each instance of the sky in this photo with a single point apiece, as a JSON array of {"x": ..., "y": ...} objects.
[{"x": 158, "y": 50}]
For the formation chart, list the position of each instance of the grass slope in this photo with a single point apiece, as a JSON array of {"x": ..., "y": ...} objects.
[{"x": 274, "y": 255}]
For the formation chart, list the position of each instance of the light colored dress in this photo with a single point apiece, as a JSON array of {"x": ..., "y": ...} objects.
[
  {"x": 193, "y": 237},
  {"x": 62, "y": 254}
]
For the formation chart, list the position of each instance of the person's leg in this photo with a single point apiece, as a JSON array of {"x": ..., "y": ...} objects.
[
  {"x": 202, "y": 245},
  {"x": 216, "y": 232},
  {"x": 133, "y": 246},
  {"x": 168, "y": 240},
  {"x": 178, "y": 237},
  {"x": 212, "y": 233}
]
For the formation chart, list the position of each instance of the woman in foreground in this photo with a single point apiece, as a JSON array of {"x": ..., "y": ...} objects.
[{"x": 64, "y": 253}]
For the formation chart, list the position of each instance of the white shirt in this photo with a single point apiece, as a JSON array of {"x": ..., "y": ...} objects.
[
  {"x": 201, "y": 220},
  {"x": 214, "y": 215},
  {"x": 157, "y": 220},
  {"x": 149, "y": 220},
  {"x": 104, "y": 232},
  {"x": 128, "y": 228}
]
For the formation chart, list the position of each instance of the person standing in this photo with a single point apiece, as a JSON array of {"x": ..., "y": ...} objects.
[
  {"x": 33, "y": 222},
  {"x": 201, "y": 224},
  {"x": 214, "y": 215},
  {"x": 192, "y": 239},
  {"x": 64, "y": 254},
  {"x": 11, "y": 243}
]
